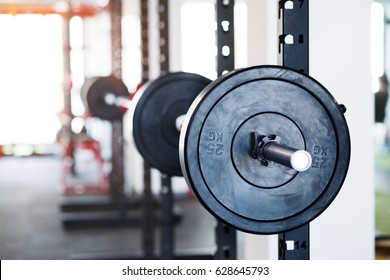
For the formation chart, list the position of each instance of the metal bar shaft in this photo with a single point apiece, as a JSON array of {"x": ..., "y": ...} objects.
[
  {"x": 279, "y": 153},
  {"x": 300, "y": 160}
]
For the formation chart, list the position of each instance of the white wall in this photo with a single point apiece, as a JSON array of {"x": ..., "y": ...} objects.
[{"x": 339, "y": 59}]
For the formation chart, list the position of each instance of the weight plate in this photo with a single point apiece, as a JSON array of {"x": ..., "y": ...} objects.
[
  {"x": 216, "y": 146},
  {"x": 158, "y": 106},
  {"x": 95, "y": 90}
]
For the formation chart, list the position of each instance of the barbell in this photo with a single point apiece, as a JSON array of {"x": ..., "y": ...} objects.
[
  {"x": 157, "y": 111},
  {"x": 265, "y": 149},
  {"x": 105, "y": 97}
]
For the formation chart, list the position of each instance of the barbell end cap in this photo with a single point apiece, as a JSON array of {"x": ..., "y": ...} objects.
[{"x": 301, "y": 160}]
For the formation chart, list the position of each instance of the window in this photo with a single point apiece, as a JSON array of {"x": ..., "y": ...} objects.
[{"x": 31, "y": 72}]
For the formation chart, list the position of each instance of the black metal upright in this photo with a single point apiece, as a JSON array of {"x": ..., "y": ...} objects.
[
  {"x": 164, "y": 35},
  {"x": 148, "y": 221},
  {"x": 167, "y": 225},
  {"x": 294, "y": 53},
  {"x": 225, "y": 36},
  {"x": 144, "y": 18},
  {"x": 116, "y": 37},
  {"x": 67, "y": 83},
  {"x": 117, "y": 180},
  {"x": 226, "y": 237}
]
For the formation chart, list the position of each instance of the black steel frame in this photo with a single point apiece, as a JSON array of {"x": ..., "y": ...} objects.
[
  {"x": 226, "y": 236},
  {"x": 294, "y": 53}
]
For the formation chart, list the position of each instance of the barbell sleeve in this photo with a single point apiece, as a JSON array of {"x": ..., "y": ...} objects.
[{"x": 299, "y": 160}]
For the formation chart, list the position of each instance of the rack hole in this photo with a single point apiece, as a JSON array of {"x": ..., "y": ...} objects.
[
  {"x": 225, "y": 50},
  {"x": 289, "y": 5},
  {"x": 288, "y": 39},
  {"x": 301, "y": 39},
  {"x": 225, "y": 25}
]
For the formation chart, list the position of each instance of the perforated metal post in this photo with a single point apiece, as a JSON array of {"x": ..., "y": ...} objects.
[
  {"x": 225, "y": 36},
  {"x": 117, "y": 173},
  {"x": 148, "y": 221},
  {"x": 167, "y": 223},
  {"x": 167, "y": 230},
  {"x": 294, "y": 53},
  {"x": 116, "y": 37},
  {"x": 226, "y": 236},
  {"x": 67, "y": 133},
  {"x": 144, "y": 40},
  {"x": 294, "y": 36}
]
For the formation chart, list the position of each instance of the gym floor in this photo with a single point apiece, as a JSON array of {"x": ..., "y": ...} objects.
[{"x": 31, "y": 219}]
